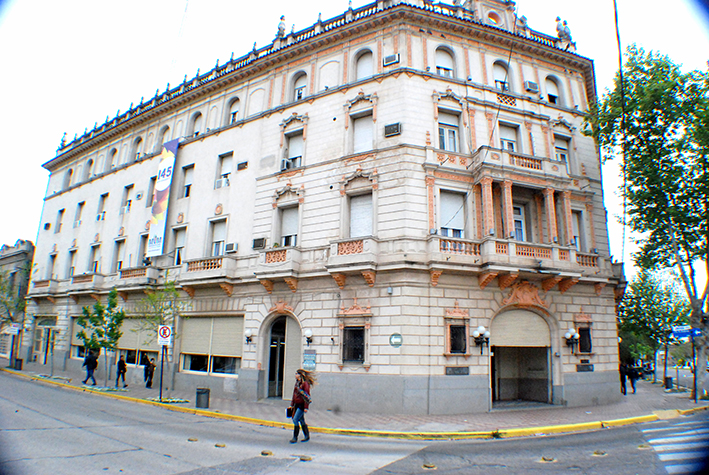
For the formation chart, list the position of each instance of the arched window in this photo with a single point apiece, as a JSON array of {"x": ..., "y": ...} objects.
[
  {"x": 110, "y": 160},
  {"x": 365, "y": 65},
  {"x": 88, "y": 169},
  {"x": 501, "y": 76},
  {"x": 299, "y": 86},
  {"x": 163, "y": 137},
  {"x": 232, "y": 111},
  {"x": 67, "y": 179},
  {"x": 196, "y": 124},
  {"x": 553, "y": 90},
  {"x": 137, "y": 149},
  {"x": 445, "y": 66}
]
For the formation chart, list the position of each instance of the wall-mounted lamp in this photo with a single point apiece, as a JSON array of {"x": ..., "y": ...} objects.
[
  {"x": 492, "y": 232},
  {"x": 482, "y": 337},
  {"x": 248, "y": 334},
  {"x": 390, "y": 290},
  {"x": 308, "y": 336},
  {"x": 572, "y": 339}
]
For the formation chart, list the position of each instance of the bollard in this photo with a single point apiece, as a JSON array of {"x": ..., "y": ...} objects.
[
  {"x": 202, "y": 398},
  {"x": 18, "y": 364},
  {"x": 668, "y": 382}
]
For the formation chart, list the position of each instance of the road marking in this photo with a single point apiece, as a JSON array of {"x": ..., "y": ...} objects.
[
  {"x": 678, "y": 456},
  {"x": 675, "y": 439},
  {"x": 686, "y": 468}
]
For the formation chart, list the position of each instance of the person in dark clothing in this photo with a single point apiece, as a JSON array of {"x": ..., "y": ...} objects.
[
  {"x": 623, "y": 377},
  {"x": 300, "y": 402},
  {"x": 633, "y": 376},
  {"x": 91, "y": 363},
  {"x": 148, "y": 373},
  {"x": 121, "y": 371}
]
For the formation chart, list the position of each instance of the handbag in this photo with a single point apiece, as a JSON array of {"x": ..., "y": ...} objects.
[{"x": 289, "y": 412}]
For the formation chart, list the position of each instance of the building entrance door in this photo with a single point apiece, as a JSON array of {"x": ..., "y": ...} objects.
[
  {"x": 44, "y": 341},
  {"x": 277, "y": 356},
  {"x": 520, "y": 374}
]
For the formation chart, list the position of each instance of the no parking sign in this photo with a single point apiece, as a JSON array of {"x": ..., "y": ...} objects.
[{"x": 164, "y": 335}]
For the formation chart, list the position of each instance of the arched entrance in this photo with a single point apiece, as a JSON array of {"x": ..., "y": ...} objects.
[
  {"x": 284, "y": 356},
  {"x": 520, "y": 342}
]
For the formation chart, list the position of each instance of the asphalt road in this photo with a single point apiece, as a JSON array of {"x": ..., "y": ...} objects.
[{"x": 45, "y": 429}]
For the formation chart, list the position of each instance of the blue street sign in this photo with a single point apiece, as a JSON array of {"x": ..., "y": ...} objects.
[
  {"x": 696, "y": 332},
  {"x": 680, "y": 334}
]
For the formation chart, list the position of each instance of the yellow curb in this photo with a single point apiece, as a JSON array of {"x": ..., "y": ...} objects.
[{"x": 501, "y": 433}]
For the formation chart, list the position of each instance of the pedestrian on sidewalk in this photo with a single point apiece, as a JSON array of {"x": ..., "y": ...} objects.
[
  {"x": 148, "y": 373},
  {"x": 91, "y": 363},
  {"x": 300, "y": 402},
  {"x": 633, "y": 375},
  {"x": 121, "y": 371},
  {"x": 623, "y": 376}
]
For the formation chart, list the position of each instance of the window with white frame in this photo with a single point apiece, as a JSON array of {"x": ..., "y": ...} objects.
[
  {"x": 71, "y": 264},
  {"x": 299, "y": 87},
  {"x": 452, "y": 216},
  {"x": 289, "y": 226},
  {"x": 127, "y": 199},
  {"x": 233, "y": 111},
  {"x": 163, "y": 137},
  {"x": 365, "y": 65},
  {"x": 95, "y": 259},
  {"x": 151, "y": 192},
  {"x": 51, "y": 264},
  {"x": 225, "y": 168},
  {"x": 142, "y": 249},
  {"x": 561, "y": 148},
  {"x": 111, "y": 159},
  {"x": 500, "y": 75},
  {"x": 293, "y": 152},
  {"x": 88, "y": 170},
  {"x": 180, "y": 237},
  {"x": 187, "y": 177},
  {"x": 552, "y": 91},
  {"x": 67, "y": 179},
  {"x": 363, "y": 131},
  {"x": 196, "y": 124},
  {"x": 520, "y": 225},
  {"x": 353, "y": 344},
  {"x": 79, "y": 211},
  {"x": 101, "y": 211},
  {"x": 444, "y": 63},
  {"x": 118, "y": 255},
  {"x": 577, "y": 228},
  {"x": 508, "y": 138},
  {"x": 218, "y": 233},
  {"x": 360, "y": 215},
  {"x": 60, "y": 218},
  {"x": 448, "y": 131},
  {"x": 137, "y": 148}
]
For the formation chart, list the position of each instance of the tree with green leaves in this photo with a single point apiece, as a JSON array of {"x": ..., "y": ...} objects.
[
  {"x": 160, "y": 306},
  {"x": 657, "y": 120},
  {"x": 102, "y": 327},
  {"x": 649, "y": 309},
  {"x": 12, "y": 301}
]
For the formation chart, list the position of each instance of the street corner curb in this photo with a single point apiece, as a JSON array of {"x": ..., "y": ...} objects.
[
  {"x": 630, "y": 420},
  {"x": 694, "y": 410},
  {"x": 555, "y": 429}
]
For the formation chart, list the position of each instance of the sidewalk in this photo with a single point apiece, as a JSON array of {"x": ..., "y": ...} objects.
[{"x": 650, "y": 403}]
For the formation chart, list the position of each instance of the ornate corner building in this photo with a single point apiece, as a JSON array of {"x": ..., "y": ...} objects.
[{"x": 399, "y": 198}]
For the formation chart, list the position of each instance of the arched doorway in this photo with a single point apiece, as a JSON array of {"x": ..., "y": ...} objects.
[
  {"x": 284, "y": 356},
  {"x": 520, "y": 342}
]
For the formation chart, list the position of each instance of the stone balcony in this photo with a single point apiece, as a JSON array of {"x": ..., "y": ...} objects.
[
  {"x": 278, "y": 262},
  {"x": 353, "y": 255},
  {"x": 137, "y": 276}
]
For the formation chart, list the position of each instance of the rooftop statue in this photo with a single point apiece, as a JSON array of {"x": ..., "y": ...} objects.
[
  {"x": 562, "y": 30},
  {"x": 281, "y": 27}
]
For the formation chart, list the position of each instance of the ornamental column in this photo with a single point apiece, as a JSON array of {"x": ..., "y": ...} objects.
[
  {"x": 509, "y": 216},
  {"x": 566, "y": 205},
  {"x": 551, "y": 214},
  {"x": 488, "y": 218}
]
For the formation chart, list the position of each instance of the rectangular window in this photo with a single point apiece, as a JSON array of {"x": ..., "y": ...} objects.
[
  {"x": 225, "y": 364},
  {"x": 142, "y": 248},
  {"x": 293, "y": 152},
  {"x": 195, "y": 363},
  {"x": 502, "y": 85},
  {"x": 119, "y": 255},
  {"x": 443, "y": 71},
  {"x": 363, "y": 134},
  {"x": 585, "y": 345},
  {"x": 50, "y": 266},
  {"x": 95, "y": 259},
  {"x": 60, "y": 217},
  {"x": 71, "y": 264},
  {"x": 225, "y": 168},
  {"x": 458, "y": 339},
  {"x": 180, "y": 236},
  {"x": 289, "y": 226},
  {"x": 452, "y": 214},
  {"x": 101, "y": 212},
  {"x": 561, "y": 149},
  {"x": 127, "y": 199},
  {"x": 218, "y": 238},
  {"x": 79, "y": 212},
  {"x": 508, "y": 138},
  {"x": 151, "y": 192},
  {"x": 577, "y": 227},
  {"x": 187, "y": 174},
  {"x": 519, "y": 221},
  {"x": 448, "y": 132},
  {"x": 361, "y": 216},
  {"x": 353, "y": 345}
]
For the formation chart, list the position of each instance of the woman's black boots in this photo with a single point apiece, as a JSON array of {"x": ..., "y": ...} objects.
[
  {"x": 306, "y": 432},
  {"x": 296, "y": 431}
]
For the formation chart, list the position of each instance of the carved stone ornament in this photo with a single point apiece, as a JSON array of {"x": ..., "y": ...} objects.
[
  {"x": 219, "y": 209},
  {"x": 268, "y": 285},
  {"x": 506, "y": 280},
  {"x": 188, "y": 290},
  {"x": 356, "y": 310},
  {"x": 582, "y": 317},
  {"x": 435, "y": 275},
  {"x": 292, "y": 283},
  {"x": 227, "y": 288},
  {"x": 340, "y": 279},
  {"x": 457, "y": 312},
  {"x": 524, "y": 294},
  {"x": 281, "y": 307},
  {"x": 97, "y": 237},
  {"x": 121, "y": 231},
  {"x": 485, "y": 278},
  {"x": 147, "y": 225},
  {"x": 369, "y": 277},
  {"x": 181, "y": 218}
]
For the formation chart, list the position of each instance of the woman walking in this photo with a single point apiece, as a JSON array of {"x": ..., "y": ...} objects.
[{"x": 300, "y": 403}]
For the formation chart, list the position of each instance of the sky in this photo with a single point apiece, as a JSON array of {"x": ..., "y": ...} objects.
[{"x": 67, "y": 65}]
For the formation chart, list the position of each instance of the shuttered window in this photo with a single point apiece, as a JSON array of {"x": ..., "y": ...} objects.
[
  {"x": 196, "y": 335},
  {"x": 363, "y": 134},
  {"x": 218, "y": 237},
  {"x": 361, "y": 216},
  {"x": 227, "y": 336},
  {"x": 519, "y": 328},
  {"x": 452, "y": 220},
  {"x": 289, "y": 226}
]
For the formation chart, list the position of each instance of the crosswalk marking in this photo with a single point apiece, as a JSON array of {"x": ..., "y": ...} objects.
[
  {"x": 680, "y": 444},
  {"x": 677, "y": 456}
]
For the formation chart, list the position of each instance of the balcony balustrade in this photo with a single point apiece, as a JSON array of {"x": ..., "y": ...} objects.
[{"x": 357, "y": 254}]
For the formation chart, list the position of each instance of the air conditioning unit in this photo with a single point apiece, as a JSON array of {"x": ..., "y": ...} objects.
[
  {"x": 101, "y": 216},
  {"x": 221, "y": 183},
  {"x": 391, "y": 59},
  {"x": 392, "y": 129},
  {"x": 531, "y": 86},
  {"x": 231, "y": 247},
  {"x": 259, "y": 243},
  {"x": 288, "y": 163},
  {"x": 242, "y": 166}
]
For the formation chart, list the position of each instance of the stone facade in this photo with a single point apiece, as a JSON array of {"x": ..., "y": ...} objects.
[
  {"x": 358, "y": 198},
  {"x": 15, "y": 264}
]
